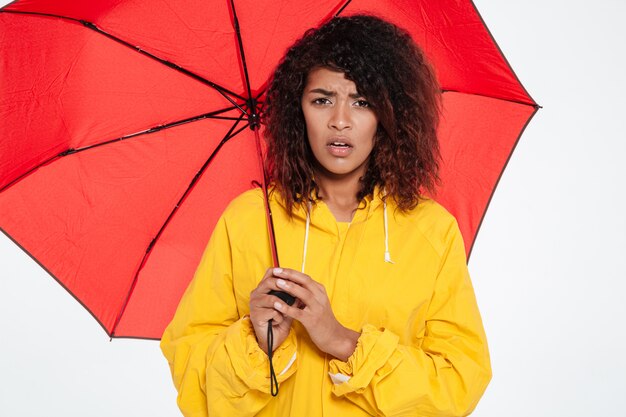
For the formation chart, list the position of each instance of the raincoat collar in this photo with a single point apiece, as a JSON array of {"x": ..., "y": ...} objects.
[
  {"x": 320, "y": 216},
  {"x": 319, "y": 209}
]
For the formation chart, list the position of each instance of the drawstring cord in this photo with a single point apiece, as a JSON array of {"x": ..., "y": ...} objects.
[
  {"x": 270, "y": 354},
  {"x": 387, "y": 254},
  {"x": 306, "y": 236}
]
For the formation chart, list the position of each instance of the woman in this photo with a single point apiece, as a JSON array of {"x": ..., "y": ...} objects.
[{"x": 386, "y": 321}]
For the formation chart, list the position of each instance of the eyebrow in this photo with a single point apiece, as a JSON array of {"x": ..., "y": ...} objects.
[{"x": 332, "y": 93}]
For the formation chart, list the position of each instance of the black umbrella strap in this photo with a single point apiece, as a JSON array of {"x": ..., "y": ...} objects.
[{"x": 270, "y": 353}]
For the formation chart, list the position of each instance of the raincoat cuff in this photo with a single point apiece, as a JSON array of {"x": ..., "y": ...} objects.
[
  {"x": 373, "y": 350},
  {"x": 249, "y": 361}
]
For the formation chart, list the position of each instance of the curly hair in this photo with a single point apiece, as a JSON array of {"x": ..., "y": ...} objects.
[{"x": 391, "y": 71}]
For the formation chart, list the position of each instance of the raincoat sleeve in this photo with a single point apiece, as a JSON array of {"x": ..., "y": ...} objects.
[
  {"x": 442, "y": 374},
  {"x": 217, "y": 365}
]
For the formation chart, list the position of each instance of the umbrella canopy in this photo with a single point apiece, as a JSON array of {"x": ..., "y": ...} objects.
[{"x": 125, "y": 131}]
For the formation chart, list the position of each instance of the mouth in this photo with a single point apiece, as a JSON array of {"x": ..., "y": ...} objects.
[
  {"x": 339, "y": 143},
  {"x": 339, "y": 147}
]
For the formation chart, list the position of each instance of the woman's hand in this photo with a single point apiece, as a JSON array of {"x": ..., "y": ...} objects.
[
  {"x": 262, "y": 310},
  {"x": 315, "y": 313}
]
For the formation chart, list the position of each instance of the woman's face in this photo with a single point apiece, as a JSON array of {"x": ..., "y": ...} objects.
[{"x": 340, "y": 124}]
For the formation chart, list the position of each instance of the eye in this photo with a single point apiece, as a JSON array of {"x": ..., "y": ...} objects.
[
  {"x": 320, "y": 100},
  {"x": 363, "y": 103}
]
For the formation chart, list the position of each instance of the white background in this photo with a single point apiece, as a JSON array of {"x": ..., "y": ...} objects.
[{"x": 548, "y": 265}]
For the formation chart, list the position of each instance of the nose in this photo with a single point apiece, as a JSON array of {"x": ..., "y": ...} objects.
[{"x": 340, "y": 117}]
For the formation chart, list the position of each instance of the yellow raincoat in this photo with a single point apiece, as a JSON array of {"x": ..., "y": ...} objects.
[{"x": 422, "y": 349}]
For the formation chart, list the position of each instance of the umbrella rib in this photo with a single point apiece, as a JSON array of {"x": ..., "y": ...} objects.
[
  {"x": 58, "y": 280},
  {"x": 211, "y": 115},
  {"x": 501, "y": 53},
  {"x": 532, "y": 101},
  {"x": 226, "y": 93},
  {"x": 343, "y": 7},
  {"x": 222, "y": 90},
  {"x": 229, "y": 135},
  {"x": 495, "y": 186},
  {"x": 510, "y": 100},
  {"x": 254, "y": 115}
]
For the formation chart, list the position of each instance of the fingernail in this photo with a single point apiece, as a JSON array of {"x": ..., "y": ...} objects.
[
  {"x": 278, "y": 270},
  {"x": 281, "y": 283},
  {"x": 277, "y": 305}
]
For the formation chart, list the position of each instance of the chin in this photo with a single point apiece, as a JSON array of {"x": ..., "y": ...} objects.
[{"x": 332, "y": 170}]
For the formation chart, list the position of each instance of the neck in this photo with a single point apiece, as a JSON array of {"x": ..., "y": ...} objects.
[{"x": 339, "y": 190}]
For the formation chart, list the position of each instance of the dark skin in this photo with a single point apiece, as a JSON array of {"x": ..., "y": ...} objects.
[{"x": 313, "y": 310}]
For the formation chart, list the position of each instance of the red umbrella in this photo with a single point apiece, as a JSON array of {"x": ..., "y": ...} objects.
[{"x": 124, "y": 131}]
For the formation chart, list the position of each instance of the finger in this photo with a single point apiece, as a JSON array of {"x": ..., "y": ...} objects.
[
  {"x": 296, "y": 290},
  {"x": 266, "y": 286},
  {"x": 317, "y": 290},
  {"x": 277, "y": 318},
  {"x": 263, "y": 316},
  {"x": 295, "y": 276},
  {"x": 268, "y": 273},
  {"x": 290, "y": 311},
  {"x": 264, "y": 301}
]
